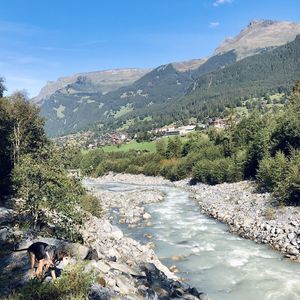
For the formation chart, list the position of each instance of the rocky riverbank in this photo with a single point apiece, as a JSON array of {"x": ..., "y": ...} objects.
[
  {"x": 250, "y": 214},
  {"x": 130, "y": 204},
  {"x": 123, "y": 268}
]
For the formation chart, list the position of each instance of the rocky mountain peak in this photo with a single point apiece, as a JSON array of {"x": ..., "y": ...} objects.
[
  {"x": 261, "y": 22},
  {"x": 260, "y": 35},
  {"x": 104, "y": 81}
]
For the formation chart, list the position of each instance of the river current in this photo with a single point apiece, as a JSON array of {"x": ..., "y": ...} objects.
[{"x": 217, "y": 262}]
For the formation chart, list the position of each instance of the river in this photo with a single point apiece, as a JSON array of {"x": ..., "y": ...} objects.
[{"x": 215, "y": 261}]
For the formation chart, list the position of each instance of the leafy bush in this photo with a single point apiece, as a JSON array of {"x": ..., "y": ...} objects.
[
  {"x": 214, "y": 171},
  {"x": 91, "y": 204},
  {"x": 91, "y": 160},
  {"x": 134, "y": 169},
  {"x": 271, "y": 172},
  {"x": 43, "y": 184},
  {"x": 288, "y": 189},
  {"x": 151, "y": 168},
  {"x": 74, "y": 283},
  {"x": 174, "y": 169}
]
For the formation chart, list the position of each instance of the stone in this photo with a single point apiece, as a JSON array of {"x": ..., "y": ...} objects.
[
  {"x": 77, "y": 250},
  {"x": 161, "y": 292},
  {"x": 203, "y": 296},
  {"x": 4, "y": 233},
  {"x": 98, "y": 292},
  {"x": 174, "y": 269},
  {"x": 102, "y": 266},
  {"x": 92, "y": 255},
  {"x": 113, "y": 253},
  {"x": 124, "y": 268},
  {"x": 148, "y": 236},
  {"x": 291, "y": 236},
  {"x": 146, "y": 216},
  {"x": 151, "y": 245},
  {"x": 124, "y": 284},
  {"x": 177, "y": 257},
  {"x": 101, "y": 280},
  {"x": 116, "y": 233},
  {"x": 6, "y": 215}
]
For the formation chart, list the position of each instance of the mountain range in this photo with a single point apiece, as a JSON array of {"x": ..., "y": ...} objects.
[{"x": 263, "y": 57}]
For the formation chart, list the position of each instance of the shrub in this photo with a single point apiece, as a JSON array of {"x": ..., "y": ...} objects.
[
  {"x": 44, "y": 185},
  {"x": 74, "y": 283},
  {"x": 99, "y": 171},
  {"x": 271, "y": 172},
  {"x": 134, "y": 169},
  {"x": 91, "y": 160},
  {"x": 176, "y": 170},
  {"x": 214, "y": 171},
  {"x": 91, "y": 204},
  {"x": 152, "y": 168},
  {"x": 288, "y": 189}
]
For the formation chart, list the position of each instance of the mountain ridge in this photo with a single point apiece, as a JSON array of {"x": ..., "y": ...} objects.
[
  {"x": 67, "y": 108},
  {"x": 105, "y": 80},
  {"x": 260, "y": 34}
]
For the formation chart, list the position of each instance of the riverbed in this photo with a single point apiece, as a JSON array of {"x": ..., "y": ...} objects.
[{"x": 206, "y": 254}]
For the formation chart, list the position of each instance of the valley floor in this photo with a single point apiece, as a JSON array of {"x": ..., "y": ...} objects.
[{"x": 252, "y": 215}]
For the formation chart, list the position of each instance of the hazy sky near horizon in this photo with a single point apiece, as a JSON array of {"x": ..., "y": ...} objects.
[{"x": 42, "y": 40}]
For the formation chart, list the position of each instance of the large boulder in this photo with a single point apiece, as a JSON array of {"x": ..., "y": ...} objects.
[{"x": 6, "y": 215}]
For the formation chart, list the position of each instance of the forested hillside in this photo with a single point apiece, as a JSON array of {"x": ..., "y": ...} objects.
[
  {"x": 266, "y": 73},
  {"x": 265, "y": 147},
  {"x": 165, "y": 94}
]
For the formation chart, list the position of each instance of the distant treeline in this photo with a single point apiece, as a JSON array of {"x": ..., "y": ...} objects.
[{"x": 265, "y": 147}]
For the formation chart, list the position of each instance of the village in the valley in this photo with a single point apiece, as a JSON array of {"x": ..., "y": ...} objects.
[{"x": 89, "y": 140}]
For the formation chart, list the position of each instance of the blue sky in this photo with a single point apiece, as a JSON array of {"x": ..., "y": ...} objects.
[{"x": 42, "y": 40}]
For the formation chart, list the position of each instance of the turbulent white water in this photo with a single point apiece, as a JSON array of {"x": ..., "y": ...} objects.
[{"x": 217, "y": 262}]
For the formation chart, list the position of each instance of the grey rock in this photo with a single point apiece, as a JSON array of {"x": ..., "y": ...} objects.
[
  {"x": 98, "y": 292},
  {"x": 125, "y": 285},
  {"x": 124, "y": 268},
  {"x": 204, "y": 296}
]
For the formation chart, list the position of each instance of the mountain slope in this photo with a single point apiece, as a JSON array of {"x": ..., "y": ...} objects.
[
  {"x": 87, "y": 100},
  {"x": 270, "y": 72},
  {"x": 103, "y": 81},
  {"x": 258, "y": 36},
  {"x": 80, "y": 104}
]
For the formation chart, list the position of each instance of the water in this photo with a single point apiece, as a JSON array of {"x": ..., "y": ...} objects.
[{"x": 217, "y": 262}]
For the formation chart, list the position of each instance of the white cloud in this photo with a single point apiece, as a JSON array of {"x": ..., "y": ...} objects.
[
  {"x": 214, "y": 24},
  {"x": 220, "y": 2}
]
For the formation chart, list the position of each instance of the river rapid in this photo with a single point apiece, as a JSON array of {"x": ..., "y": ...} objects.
[{"x": 213, "y": 260}]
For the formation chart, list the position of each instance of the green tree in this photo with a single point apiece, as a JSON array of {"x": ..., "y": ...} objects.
[
  {"x": 27, "y": 132},
  {"x": 2, "y": 87},
  {"x": 161, "y": 146},
  {"x": 271, "y": 172},
  {"x": 21, "y": 132},
  {"x": 5, "y": 147},
  {"x": 174, "y": 147},
  {"x": 46, "y": 189},
  {"x": 286, "y": 136}
]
